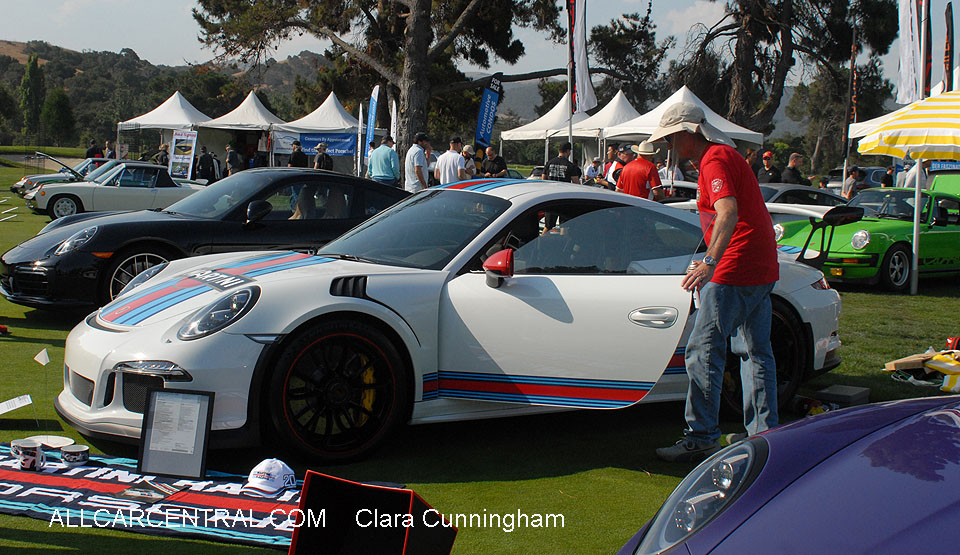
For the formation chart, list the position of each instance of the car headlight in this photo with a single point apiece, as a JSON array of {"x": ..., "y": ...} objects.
[
  {"x": 169, "y": 371},
  {"x": 860, "y": 239},
  {"x": 777, "y": 232},
  {"x": 142, "y": 277},
  {"x": 219, "y": 314},
  {"x": 76, "y": 240},
  {"x": 703, "y": 494}
]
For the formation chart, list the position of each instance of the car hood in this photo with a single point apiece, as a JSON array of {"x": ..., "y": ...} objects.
[
  {"x": 881, "y": 479},
  {"x": 55, "y": 233},
  {"x": 190, "y": 284}
]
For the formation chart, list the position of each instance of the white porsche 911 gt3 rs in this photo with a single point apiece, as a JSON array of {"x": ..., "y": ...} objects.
[{"x": 481, "y": 299}]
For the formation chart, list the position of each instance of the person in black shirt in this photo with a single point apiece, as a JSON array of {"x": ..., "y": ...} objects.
[
  {"x": 205, "y": 166},
  {"x": 322, "y": 161},
  {"x": 561, "y": 168},
  {"x": 298, "y": 159},
  {"x": 493, "y": 165},
  {"x": 768, "y": 173},
  {"x": 791, "y": 174},
  {"x": 887, "y": 180},
  {"x": 94, "y": 151}
]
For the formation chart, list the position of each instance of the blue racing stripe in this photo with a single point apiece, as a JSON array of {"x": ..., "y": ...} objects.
[
  {"x": 546, "y": 380},
  {"x": 535, "y": 399},
  {"x": 136, "y": 316}
]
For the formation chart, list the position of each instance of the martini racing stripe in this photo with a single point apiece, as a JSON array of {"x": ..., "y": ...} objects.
[
  {"x": 483, "y": 185},
  {"x": 139, "y": 307},
  {"x": 677, "y": 365},
  {"x": 542, "y": 390}
]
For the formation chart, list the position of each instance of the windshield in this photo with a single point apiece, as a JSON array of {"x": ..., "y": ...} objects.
[
  {"x": 100, "y": 173},
  {"x": 425, "y": 231},
  {"x": 215, "y": 201},
  {"x": 886, "y": 203},
  {"x": 767, "y": 193}
]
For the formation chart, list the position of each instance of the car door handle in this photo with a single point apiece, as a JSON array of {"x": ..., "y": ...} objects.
[{"x": 654, "y": 316}]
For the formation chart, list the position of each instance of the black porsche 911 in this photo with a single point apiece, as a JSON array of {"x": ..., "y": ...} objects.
[{"x": 83, "y": 261}]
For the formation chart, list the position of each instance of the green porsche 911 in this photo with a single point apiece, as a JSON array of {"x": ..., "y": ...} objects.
[{"x": 878, "y": 248}]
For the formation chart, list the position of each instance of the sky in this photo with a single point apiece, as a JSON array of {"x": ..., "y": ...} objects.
[{"x": 164, "y": 32}]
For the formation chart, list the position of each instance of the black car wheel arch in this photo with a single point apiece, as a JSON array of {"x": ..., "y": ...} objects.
[{"x": 127, "y": 263}]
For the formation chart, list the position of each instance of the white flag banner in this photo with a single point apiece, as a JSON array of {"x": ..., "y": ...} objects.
[
  {"x": 586, "y": 98},
  {"x": 909, "y": 78},
  {"x": 15, "y": 403},
  {"x": 393, "y": 121},
  {"x": 42, "y": 357}
]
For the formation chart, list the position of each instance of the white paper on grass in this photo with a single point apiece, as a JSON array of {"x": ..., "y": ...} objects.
[
  {"x": 15, "y": 403},
  {"x": 42, "y": 357}
]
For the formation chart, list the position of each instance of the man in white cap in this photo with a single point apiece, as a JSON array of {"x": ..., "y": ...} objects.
[
  {"x": 734, "y": 281},
  {"x": 640, "y": 177}
]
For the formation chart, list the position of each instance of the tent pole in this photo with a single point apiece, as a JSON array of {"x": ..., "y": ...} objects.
[{"x": 915, "y": 259}]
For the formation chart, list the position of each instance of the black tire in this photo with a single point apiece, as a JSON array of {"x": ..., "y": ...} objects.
[
  {"x": 895, "y": 268},
  {"x": 64, "y": 205},
  {"x": 126, "y": 265},
  {"x": 338, "y": 390},
  {"x": 790, "y": 350}
]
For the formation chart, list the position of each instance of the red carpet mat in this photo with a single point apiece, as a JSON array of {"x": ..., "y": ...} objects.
[{"x": 108, "y": 493}]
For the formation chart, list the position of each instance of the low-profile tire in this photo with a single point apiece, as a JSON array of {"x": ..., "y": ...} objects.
[
  {"x": 895, "y": 268},
  {"x": 337, "y": 391},
  {"x": 126, "y": 265},
  {"x": 790, "y": 350},
  {"x": 64, "y": 205}
]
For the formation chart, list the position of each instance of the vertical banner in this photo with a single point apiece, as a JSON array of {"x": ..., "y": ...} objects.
[
  {"x": 360, "y": 149},
  {"x": 181, "y": 159},
  {"x": 393, "y": 120},
  {"x": 908, "y": 83},
  {"x": 948, "y": 50},
  {"x": 371, "y": 121},
  {"x": 488, "y": 110},
  {"x": 586, "y": 98},
  {"x": 927, "y": 48}
]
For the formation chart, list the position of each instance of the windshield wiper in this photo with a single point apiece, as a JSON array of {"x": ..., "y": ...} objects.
[{"x": 340, "y": 256}]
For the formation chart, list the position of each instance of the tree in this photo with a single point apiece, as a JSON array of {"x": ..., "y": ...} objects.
[
  {"x": 551, "y": 91},
  {"x": 57, "y": 117},
  {"x": 400, "y": 41},
  {"x": 628, "y": 46},
  {"x": 32, "y": 94},
  {"x": 8, "y": 105},
  {"x": 822, "y": 104},
  {"x": 767, "y": 38}
]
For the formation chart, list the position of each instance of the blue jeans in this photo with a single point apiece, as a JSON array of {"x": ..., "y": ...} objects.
[
  {"x": 387, "y": 181},
  {"x": 741, "y": 313}
]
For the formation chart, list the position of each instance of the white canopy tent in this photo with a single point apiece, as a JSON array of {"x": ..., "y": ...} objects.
[
  {"x": 250, "y": 115},
  {"x": 175, "y": 113},
  {"x": 617, "y": 111},
  {"x": 553, "y": 123},
  {"x": 330, "y": 116},
  {"x": 646, "y": 124}
]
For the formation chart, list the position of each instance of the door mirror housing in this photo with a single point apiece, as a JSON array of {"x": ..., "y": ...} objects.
[
  {"x": 498, "y": 266},
  {"x": 257, "y": 210}
]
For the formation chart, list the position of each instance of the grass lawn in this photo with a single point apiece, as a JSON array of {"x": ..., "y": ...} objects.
[{"x": 597, "y": 468}]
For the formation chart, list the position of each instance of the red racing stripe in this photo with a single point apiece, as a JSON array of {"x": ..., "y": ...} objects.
[
  {"x": 544, "y": 390},
  {"x": 66, "y": 482},
  {"x": 267, "y": 263},
  {"x": 465, "y": 184}
]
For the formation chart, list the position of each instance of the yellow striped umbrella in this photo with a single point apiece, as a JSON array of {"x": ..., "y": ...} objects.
[{"x": 928, "y": 129}]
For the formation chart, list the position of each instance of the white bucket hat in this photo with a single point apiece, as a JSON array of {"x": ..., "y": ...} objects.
[
  {"x": 269, "y": 478},
  {"x": 688, "y": 117},
  {"x": 644, "y": 149}
]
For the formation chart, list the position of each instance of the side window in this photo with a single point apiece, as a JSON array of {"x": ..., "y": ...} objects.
[
  {"x": 137, "y": 178},
  {"x": 611, "y": 240},
  {"x": 952, "y": 209},
  {"x": 310, "y": 201},
  {"x": 798, "y": 197},
  {"x": 375, "y": 201}
]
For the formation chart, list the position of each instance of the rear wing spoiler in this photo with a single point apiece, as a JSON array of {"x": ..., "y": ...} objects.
[{"x": 838, "y": 215}]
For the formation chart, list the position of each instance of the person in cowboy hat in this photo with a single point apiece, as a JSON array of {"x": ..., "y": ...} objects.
[
  {"x": 640, "y": 177},
  {"x": 733, "y": 281}
]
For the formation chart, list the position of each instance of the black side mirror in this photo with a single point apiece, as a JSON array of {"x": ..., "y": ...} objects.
[
  {"x": 257, "y": 210},
  {"x": 942, "y": 217}
]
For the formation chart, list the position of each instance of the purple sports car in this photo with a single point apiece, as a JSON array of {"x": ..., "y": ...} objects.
[{"x": 880, "y": 478}]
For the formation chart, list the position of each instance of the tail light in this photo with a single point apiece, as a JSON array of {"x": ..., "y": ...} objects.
[{"x": 820, "y": 284}]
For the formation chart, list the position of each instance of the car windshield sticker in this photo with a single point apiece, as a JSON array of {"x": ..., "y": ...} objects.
[{"x": 141, "y": 305}]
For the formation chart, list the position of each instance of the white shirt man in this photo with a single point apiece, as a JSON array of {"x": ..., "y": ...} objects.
[
  {"x": 415, "y": 164},
  {"x": 451, "y": 166}
]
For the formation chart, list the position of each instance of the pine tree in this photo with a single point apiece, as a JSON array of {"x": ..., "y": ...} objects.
[{"x": 32, "y": 93}]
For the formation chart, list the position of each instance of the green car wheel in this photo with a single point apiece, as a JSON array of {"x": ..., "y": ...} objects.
[{"x": 895, "y": 268}]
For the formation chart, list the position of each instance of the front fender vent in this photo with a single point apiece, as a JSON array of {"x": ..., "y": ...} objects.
[{"x": 352, "y": 286}]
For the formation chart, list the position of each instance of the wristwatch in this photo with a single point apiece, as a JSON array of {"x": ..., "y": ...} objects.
[{"x": 709, "y": 260}]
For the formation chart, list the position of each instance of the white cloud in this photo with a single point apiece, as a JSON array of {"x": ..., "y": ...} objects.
[{"x": 679, "y": 22}]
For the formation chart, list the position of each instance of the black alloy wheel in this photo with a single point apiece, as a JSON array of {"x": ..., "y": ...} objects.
[
  {"x": 338, "y": 390},
  {"x": 895, "y": 268}
]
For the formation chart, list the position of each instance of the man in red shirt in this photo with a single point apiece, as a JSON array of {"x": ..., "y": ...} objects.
[
  {"x": 640, "y": 177},
  {"x": 733, "y": 281}
]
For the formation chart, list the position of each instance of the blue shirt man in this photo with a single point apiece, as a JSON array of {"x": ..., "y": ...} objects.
[{"x": 384, "y": 163}]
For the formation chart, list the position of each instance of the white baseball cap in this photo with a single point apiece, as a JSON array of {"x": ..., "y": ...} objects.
[{"x": 269, "y": 478}]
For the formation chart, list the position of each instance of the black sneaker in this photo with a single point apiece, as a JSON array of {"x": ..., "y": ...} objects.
[{"x": 688, "y": 450}]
